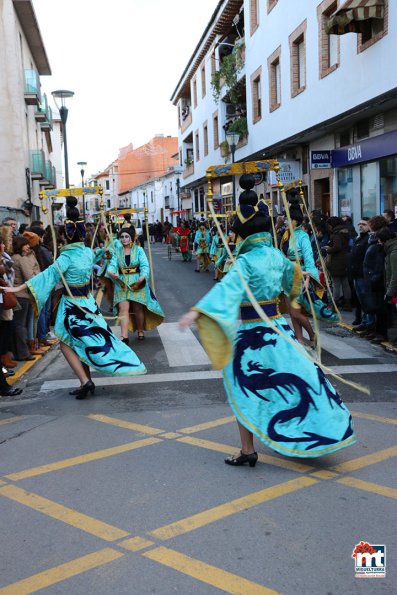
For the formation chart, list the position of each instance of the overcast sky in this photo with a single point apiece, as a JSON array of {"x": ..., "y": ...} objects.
[{"x": 123, "y": 59}]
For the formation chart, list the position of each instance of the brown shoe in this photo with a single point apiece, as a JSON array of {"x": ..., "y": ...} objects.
[
  {"x": 34, "y": 348},
  {"x": 44, "y": 343},
  {"x": 7, "y": 361}
]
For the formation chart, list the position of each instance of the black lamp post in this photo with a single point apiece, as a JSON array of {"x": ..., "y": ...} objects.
[
  {"x": 62, "y": 100},
  {"x": 232, "y": 140},
  {"x": 83, "y": 165}
]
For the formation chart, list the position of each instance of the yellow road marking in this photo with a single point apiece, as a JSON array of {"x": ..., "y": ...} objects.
[
  {"x": 63, "y": 513},
  {"x": 135, "y": 544},
  {"x": 323, "y": 474},
  {"x": 10, "y": 420},
  {"x": 23, "y": 369},
  {"x": 226, "y": 449},
  {"x": 91, "y": 456},
  {"x": 2, "y": 483},
  {"x": 129, "y": 425},
  {"x": 345, "y": 325},
  {"x": 383, "y": 420},
  {"x": 55, "y": 575},
  {"x": 229, "y": 508},
  {"x": 206, "y": 573},
  {"x": 368, "y": 486},
  {"x": 170, "y": 435},
  {"x": 207, "y": 425},
  {"x": 365, "y": 461}
]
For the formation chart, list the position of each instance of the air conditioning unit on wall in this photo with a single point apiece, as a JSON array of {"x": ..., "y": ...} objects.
[{"x": 230, "y": 110}]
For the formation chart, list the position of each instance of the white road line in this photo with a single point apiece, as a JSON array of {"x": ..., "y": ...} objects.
[
  {"x": 50, "y": 385},
  {"x": 365, "y": 369},
  {"x": 127, "y": 380},
  {"x": 181, "y": 347},
  {"x": 344, "y": 348}
]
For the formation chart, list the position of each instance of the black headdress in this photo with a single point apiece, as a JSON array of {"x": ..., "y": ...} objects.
[
  {"x": 252, "y": 214},
  {"x": 295, "y": 208},
  {"x": 74, "y": 224},
  {"x": 128, "y": 230}
]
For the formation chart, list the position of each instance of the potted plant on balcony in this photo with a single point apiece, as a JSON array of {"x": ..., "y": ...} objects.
[
  {"x": 227, "y": 75},
  {"x": 188, "y": 161},
  {"x": 240, "y": 125},
  {"x": 225, "y": 149}
]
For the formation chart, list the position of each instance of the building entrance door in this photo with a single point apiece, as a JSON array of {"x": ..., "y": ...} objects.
[{"x": 322, "y": 198}]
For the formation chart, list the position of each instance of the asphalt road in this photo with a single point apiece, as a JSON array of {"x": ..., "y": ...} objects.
[{"x": 127, "y": 492}]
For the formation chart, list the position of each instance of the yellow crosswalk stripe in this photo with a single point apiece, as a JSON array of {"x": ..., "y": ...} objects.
[
  {"x": 229, "y": 450},
  {"x": 383, "y": 420},
  {"x": 365, "y": 461},
  {"x": 55, "y": 575},
  {"x": 128, "y": 425},
  {"x": 222, "y": 511},
  {"x": 368, "y": 486},
  {"x": 208, "y": 425},
  {"x": 206, "y": 573},
  {"x": 63, "y": 513},
  {"x": 88, "y": 457},
  {"x": 11, "y": 420}
]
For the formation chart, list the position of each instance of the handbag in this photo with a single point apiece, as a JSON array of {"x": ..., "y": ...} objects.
[{"x": 9, "y": 299}]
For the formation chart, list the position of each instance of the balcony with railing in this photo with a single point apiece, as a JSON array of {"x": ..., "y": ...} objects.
[
  {"x": 43, "y": 114},
  {"x": 49, "y": 175},
  {"x": 188, "y": 171},
  {"x": 32, "y": 88},
  {"x": 47, "y": 123},
  {"x": 37, "y": 165}
]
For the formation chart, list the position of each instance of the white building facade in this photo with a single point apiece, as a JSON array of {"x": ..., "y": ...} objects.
[
  {"x": 30, "y": 141},
  {"x": 162, "y": 197},
  {"x": 323, "y": 103}
]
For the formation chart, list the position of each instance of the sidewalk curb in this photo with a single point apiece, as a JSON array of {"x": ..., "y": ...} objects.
[
  {"x": 26, "y": 366},
  {"x": 390, "y": 348}
]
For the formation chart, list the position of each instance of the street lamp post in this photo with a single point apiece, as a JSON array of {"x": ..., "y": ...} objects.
[
  {"x": 232, "y": 140},
  {"x": 83, "y": 165},
  {"x": 62, "y": 100}
]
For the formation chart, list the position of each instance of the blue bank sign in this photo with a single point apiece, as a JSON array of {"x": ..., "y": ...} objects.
[
  {"x": 366, "y": 150},
  {"x": 320, "y": 159}
]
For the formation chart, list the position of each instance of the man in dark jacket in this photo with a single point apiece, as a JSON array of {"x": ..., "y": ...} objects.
[
  {"x": 337, "y": 261},
  {"x": 361, "y": 286},
  {"x": 391, "y": 220},
  {"x": 373, "y": 268}
]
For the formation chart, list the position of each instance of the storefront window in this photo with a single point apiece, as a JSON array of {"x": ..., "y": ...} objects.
[
  {"x": 368, "y": 190},
  {"x": 345, "y": 191},
  {"x": 388, "y": 184}
]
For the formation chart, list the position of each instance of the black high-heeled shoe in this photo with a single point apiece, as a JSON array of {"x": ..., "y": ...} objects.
[
  {"x": 82, "y": 391},
  {"x": 235, "y": 461},
  {"x": 125, "y": 340}
]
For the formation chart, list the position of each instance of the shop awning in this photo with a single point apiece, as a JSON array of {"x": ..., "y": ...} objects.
[{"x": 353, "y": 15}]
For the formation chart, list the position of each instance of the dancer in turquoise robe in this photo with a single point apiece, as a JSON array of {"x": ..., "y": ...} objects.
[
  {"x": 86, "y": 339},
  {"x": 79, "y": 323},
  {"x": 202, "y": 241},
  {"x": 310, "y": 297},
  {"x": 131, "y": 274},
  {"x": 275, "y": 390}
]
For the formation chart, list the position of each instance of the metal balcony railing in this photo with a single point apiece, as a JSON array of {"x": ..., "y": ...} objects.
[
  {"x": 32, "y": 87},
  {"x": 37, "y": 164}
]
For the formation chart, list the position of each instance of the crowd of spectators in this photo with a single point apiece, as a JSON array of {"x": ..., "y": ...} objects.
[{"x": 361, "y": 265}]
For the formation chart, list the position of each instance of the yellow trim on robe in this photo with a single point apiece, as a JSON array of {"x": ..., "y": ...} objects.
[
  {"x": 215, "y": 342},
  {"x": 289, "y": 451}
]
